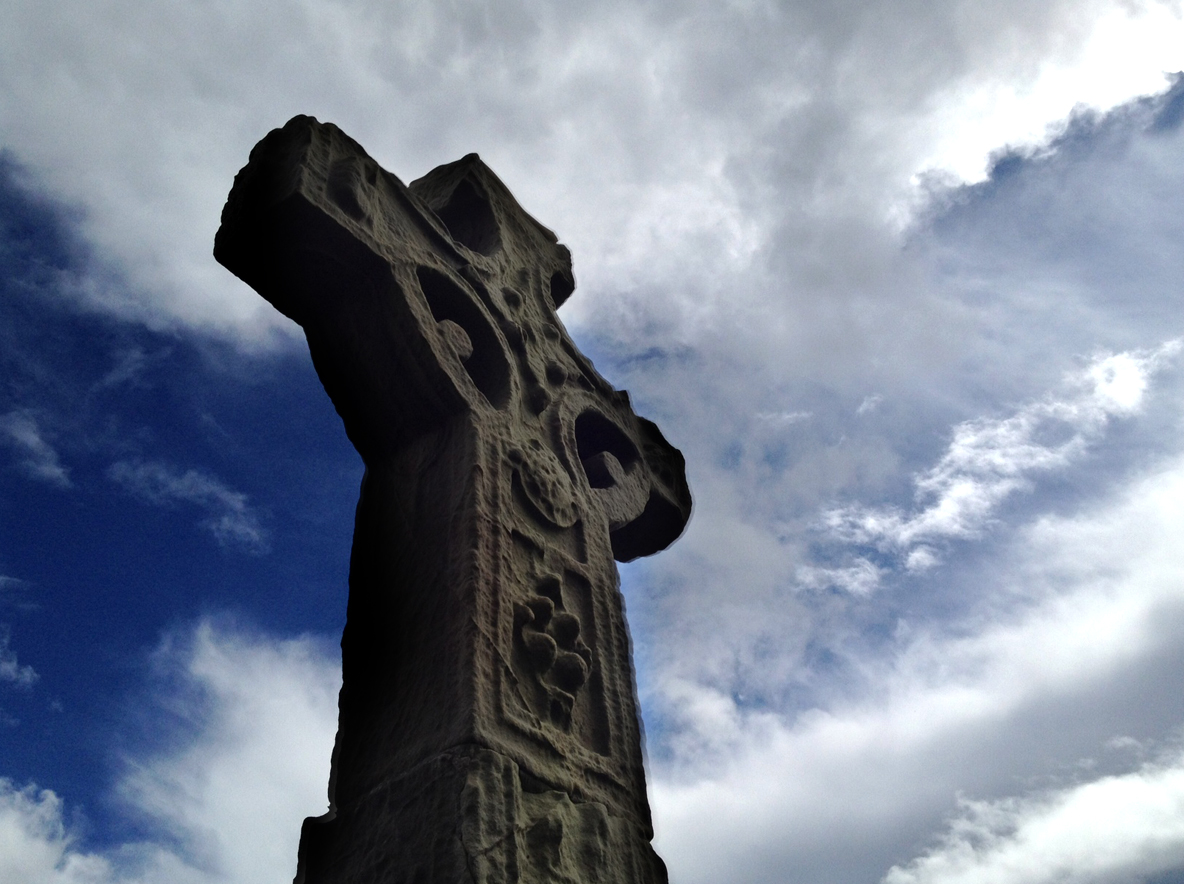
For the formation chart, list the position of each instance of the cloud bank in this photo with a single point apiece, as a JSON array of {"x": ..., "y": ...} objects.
[
  {"x": 651, "y": 137},
  {"x": 976, "y": 708},
  {"x": 223, "y": 800},
  {"x": 1110, "y": 830}
]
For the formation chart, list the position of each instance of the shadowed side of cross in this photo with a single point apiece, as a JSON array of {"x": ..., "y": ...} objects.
[{"x": 488, "y": 727}]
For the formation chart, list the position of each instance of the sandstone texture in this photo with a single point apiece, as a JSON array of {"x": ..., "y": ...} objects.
[{"x": 488, "y": 725}]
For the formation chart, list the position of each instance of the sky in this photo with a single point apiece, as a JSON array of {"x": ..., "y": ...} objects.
[{"x": 901, "y": 280}]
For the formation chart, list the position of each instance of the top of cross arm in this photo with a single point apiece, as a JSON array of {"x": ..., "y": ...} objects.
[{"x": 461, "y": 209}]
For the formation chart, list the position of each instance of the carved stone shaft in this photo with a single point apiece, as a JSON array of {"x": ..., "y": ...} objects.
[{"x": 488, "y": 724}]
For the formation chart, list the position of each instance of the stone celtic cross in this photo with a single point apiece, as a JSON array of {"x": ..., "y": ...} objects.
[{"x": 488, "y": 726}]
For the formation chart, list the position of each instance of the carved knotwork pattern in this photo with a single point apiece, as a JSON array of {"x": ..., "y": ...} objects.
[{"x": 545, "y": 484}]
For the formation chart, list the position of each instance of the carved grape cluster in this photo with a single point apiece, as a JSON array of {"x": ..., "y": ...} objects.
[{"x": 551, "y": 638}]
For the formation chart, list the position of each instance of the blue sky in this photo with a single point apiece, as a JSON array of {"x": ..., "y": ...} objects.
[{"x": 901, "y": 280}]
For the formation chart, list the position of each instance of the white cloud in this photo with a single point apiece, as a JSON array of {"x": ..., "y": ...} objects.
[
  {"x": 1098, "y": 59},
  {"x": 130, "y": 365},
  {"x": 225, "y": 803},
  {"x": 39, "y": 459},
  {"x": 869, "y": 404},
  {"x": 989, "y": 460},
  {"x": 12, "y": 592},
  {"x": 1082, "y": 647},
  {"x": 235, "y": 797},
  {"x": 783, "y": 418},
  {"x": 1112, "y": 830},
  {"x": 34, "y": 845},
  {"x": 230, "y": 518},
  {"x": 860, "y": 578},
  {"x": 11, "y": 672}
]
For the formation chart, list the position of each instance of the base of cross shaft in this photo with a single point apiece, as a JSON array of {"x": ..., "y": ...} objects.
[{"x": 473, "y": 816}]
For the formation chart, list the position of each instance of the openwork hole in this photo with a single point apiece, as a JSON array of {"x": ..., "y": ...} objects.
[
  {"x": 596, "y": 433},
  {"x": 487, "y": 365},
  {"x": 562, "y": 285},
  {"x": 470, "y": 219}
]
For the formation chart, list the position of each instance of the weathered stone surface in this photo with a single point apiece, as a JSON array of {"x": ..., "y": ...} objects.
[{"x": 488, "y": 724}]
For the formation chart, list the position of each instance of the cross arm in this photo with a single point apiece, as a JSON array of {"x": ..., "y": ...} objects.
[{"x": 334, "y": 241}]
